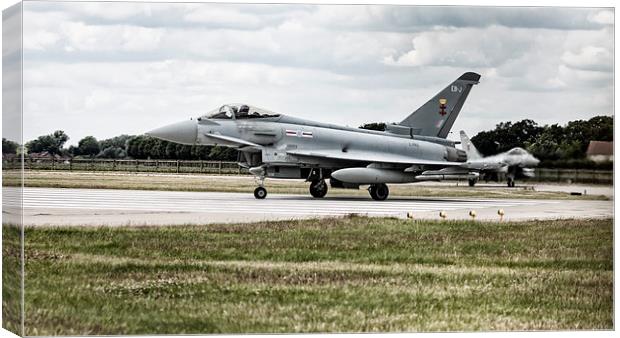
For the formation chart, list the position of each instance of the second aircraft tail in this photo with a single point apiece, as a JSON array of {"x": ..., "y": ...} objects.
[{"x": 469, "y": 148}]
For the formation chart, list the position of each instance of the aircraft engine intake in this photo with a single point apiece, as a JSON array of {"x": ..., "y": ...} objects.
[{"x": 455, "y": 155}]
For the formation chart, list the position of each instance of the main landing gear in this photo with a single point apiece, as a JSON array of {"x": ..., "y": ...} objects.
[
  {"x": 318, "y": 188},
  {"x": 379, "y": 192},
  {"x": 510, "y": 179}
]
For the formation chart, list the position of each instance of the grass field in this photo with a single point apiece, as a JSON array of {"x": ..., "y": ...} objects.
[
  {"x": 11, "y": 278},
  {"x": 348, "y": 274},
  {"x": 180, "y": 182}
]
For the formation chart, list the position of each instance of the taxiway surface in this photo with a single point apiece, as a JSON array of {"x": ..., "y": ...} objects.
[{"x": 51, "y": 206}]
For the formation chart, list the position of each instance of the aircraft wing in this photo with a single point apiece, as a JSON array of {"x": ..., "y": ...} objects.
[
  {"x": 364, "y": 156},
  {"x": 233, "y": 141}
]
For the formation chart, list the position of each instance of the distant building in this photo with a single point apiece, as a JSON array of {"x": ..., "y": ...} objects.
[
  {"x": 600, "y": 151},
  {"x": 46, "y": 156}
]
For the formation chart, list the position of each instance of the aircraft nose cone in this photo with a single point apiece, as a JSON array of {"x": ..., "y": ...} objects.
[{"x": 181, "y": 132}]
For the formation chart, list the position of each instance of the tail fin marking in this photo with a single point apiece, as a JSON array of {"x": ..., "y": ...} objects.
[{"x": 436, "y": 117}]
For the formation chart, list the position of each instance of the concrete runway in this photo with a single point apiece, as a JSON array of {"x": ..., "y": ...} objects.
[{"x": 48, "y": 206}]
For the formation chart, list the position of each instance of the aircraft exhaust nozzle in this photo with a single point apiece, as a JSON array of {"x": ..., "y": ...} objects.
[{"x": 184, "y": 132}]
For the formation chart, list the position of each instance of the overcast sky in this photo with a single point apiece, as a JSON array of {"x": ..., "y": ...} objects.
[{"x": 105, "y": 69}]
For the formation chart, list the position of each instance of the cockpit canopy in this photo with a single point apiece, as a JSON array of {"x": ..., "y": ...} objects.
[
  {"x": 517, "y": 151},
  {"x": 239, "y": 111}
]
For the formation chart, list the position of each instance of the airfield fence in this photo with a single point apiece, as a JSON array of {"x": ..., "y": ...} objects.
[
  {"x": 159, "y": 166},
  {"x": 232, "y": 168}
]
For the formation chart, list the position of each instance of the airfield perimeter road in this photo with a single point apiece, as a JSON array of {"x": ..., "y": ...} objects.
[{"x": 54, "y": 206}]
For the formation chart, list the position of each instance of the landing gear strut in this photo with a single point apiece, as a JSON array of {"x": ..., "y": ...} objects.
[
  {"x": 510, "y": 180},
  {"x": 472, "y": 181},
  {"x": 259, "y": 175},
  {"x": 379, "y": 192},
  {"x": 318, "y": 188}
]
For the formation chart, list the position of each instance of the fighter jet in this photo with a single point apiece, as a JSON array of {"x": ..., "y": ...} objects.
[
  {"x": 279, "y": 146},
  {"x": 514, "y": 163}
]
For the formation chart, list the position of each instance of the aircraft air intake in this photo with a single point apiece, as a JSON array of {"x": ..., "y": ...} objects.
[{"x": 455, "y": 155}]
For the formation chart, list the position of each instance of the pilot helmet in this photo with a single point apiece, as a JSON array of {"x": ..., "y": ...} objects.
[{"x": 244, "y": 109}]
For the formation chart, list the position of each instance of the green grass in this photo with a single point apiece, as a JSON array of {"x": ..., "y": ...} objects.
[
  {"x": 349, "y": 274},
  {"x": 246, "y": 184},
  {"x": 11, "y": 278}
]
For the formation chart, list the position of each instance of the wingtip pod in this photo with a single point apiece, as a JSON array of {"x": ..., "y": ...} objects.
[{"x": 470, "y": 76}]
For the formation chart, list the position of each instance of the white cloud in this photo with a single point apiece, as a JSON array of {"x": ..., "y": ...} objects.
[
  {"x": 79, "y": 36},
  {"x": 589, "y": 58},
  {"x": 225, "y": 17},
  {"x": 125, "y": 68},
  {"x": 470, "y": 47},
  {"x": 605, "y": 17}
]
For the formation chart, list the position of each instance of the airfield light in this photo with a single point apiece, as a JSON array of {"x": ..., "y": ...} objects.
[
  {"x": 472, "y": 214},
  {"x": 443, "y": 214},
  {"x": 500, "y": 212}
]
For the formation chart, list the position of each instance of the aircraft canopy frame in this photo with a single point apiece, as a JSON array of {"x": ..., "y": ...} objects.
[{"x": 239, "y": 111}]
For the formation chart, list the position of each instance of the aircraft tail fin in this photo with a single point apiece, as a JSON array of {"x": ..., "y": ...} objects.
[
  {"x": 436, "y": 117},
  {"x": 468, "y": 146}
]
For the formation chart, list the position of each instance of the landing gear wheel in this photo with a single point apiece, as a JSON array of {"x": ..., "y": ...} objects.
[
  {"x": 318, "y": 189},
  {"x": 511, "y": 182},
  {"x": 379, "y": 192},
  {"x": 260, "y": 193},
  {"x": 472, "y": 182}
]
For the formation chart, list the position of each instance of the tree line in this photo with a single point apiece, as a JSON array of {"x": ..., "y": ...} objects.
[
  {"x": 120, "y": 147},
  {"x": 555, "y": 145}
]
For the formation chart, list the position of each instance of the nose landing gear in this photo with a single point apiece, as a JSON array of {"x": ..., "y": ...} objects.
[
  {"x": 318, "y": 188},
  {"x": 259, "y": 175},
  {"x": 260, "y": 193}
]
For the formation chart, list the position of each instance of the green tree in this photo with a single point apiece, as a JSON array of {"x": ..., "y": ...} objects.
[
  {"x": 184, "y": 152},
  {"x": 200, "y": 152},
  {"x": 117, "y": 141},
  {"x": 51, "y": 143},
  {"x": 219, "y": 153},
  {"x": 506, "y": 136},
  {"x": 548, "y": 143},
  {"x": 9, "y": 147},
  {"x": 88, "y": 146},
  {"x": 547, "y": 146},
  {"x": 133, "y": 147},
  {"x": 112, "y": 152},
  {"x": 171, "y": 151}
]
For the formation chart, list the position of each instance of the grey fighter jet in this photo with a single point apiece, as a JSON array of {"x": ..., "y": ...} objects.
[
  {"x": 514, "y": 163},
  {"x": 279, "y": 146}
]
